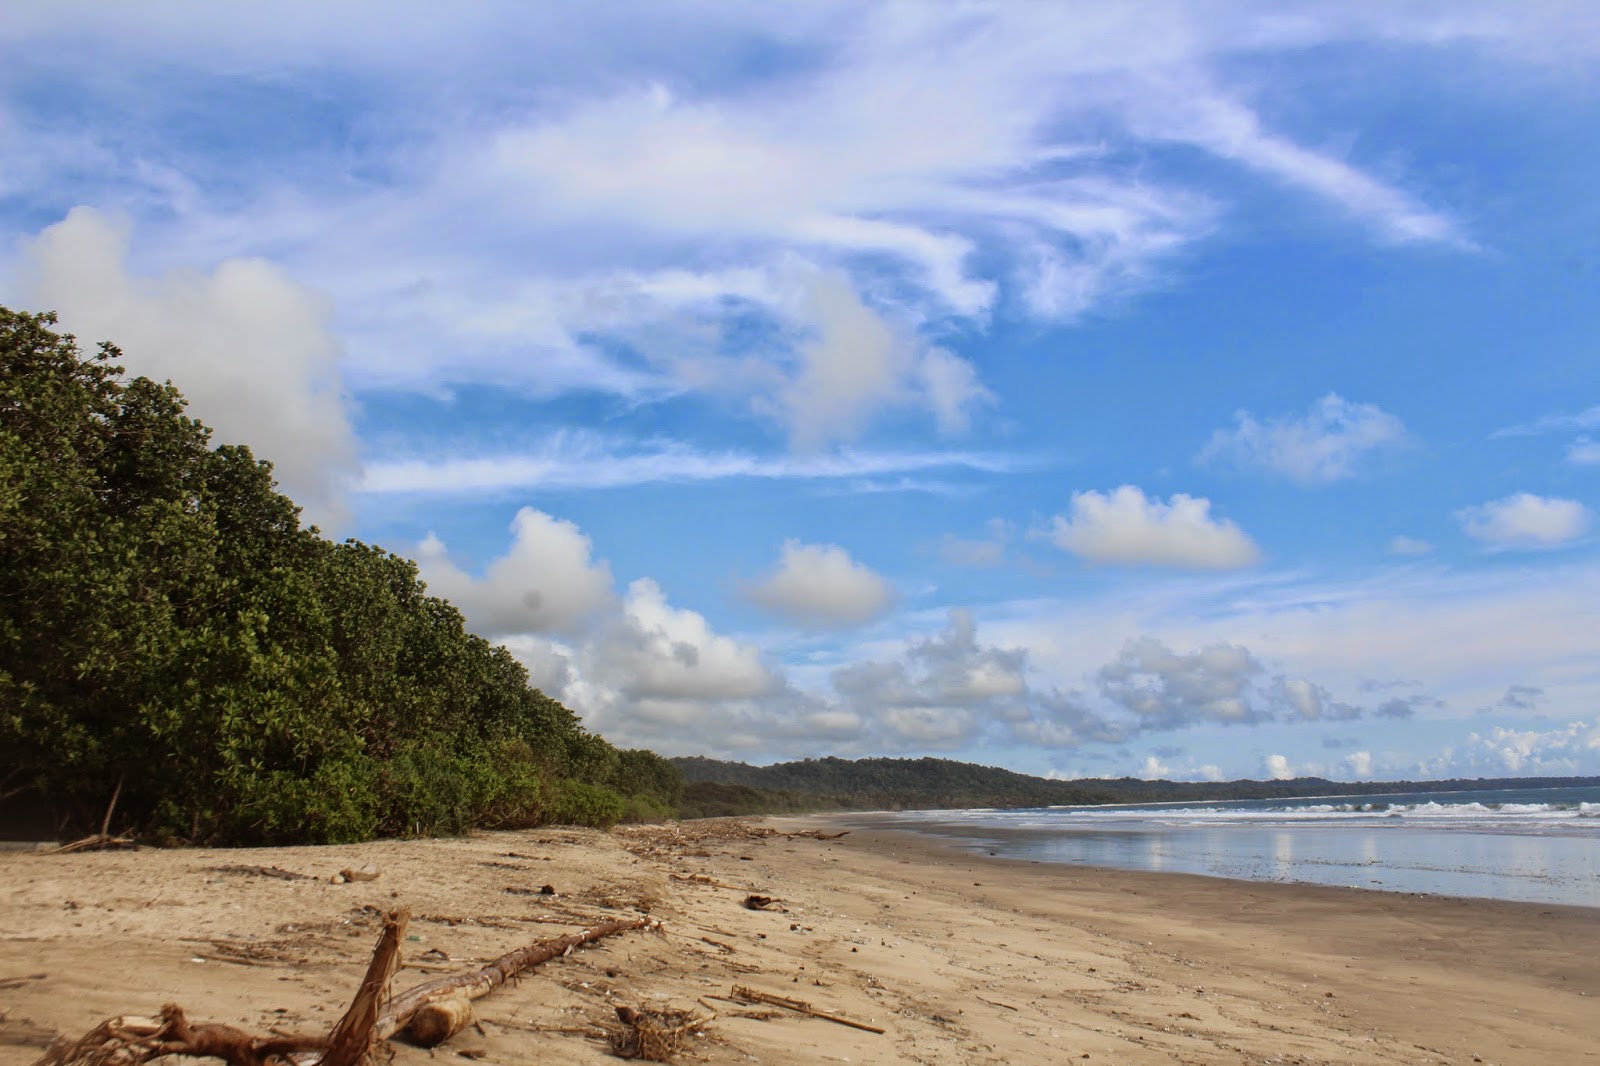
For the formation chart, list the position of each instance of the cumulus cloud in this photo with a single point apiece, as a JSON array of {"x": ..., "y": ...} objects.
[
  {"x": 1300, "y": 700},
  {"x": 546, "y": 582},
  {"x": 250, "y": 348},
  {"x": 1359, "y": 764},
  {"x": 1165, "y": 689},
  {"x": 1569, "y": 750},
  {"x": 821, "y": 585},
  {"x": 1124, "y": 527},
  {"x": 1526, "y": 521},
  {"x": 658, "y": 652},
  {"x": 1154, "y": 769},
  {"x": 940, "y": 691},
  {"x": 1331, "y": 442},
  {"x": 1278, "y": 767}
]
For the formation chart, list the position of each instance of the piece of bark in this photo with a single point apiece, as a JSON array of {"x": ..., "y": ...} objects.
[
  {"x": 436, "y": 1022},
  {"x": 351, "y": 1041}
]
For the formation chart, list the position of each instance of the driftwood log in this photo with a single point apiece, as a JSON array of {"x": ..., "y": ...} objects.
[
  {"x": 355, "y": 1040},
  {"x": 396, "y": 1013}
]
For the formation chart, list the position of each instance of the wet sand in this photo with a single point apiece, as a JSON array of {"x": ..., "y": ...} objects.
[{"x": 959, "y": 957}]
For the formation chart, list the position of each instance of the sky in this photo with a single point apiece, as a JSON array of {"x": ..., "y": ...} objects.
[{"x": 1191, "y": 390}]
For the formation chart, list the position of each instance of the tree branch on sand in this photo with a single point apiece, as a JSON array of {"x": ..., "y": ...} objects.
[{"x": 131, "y": 1040}]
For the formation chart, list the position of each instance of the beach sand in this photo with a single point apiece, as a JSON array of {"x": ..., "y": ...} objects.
[{"x": 960, "y": 958}]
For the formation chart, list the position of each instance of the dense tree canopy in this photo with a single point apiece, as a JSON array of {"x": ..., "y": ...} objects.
[{"x": 168, "y": 630}]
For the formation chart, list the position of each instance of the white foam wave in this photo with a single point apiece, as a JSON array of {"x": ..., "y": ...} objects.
[{"x": 1424, "y": 812}]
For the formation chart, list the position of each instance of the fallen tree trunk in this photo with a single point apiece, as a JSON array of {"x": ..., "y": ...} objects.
[
  {"x": 132, "y": 1041},
  {"x": 398, "y": 1011}
]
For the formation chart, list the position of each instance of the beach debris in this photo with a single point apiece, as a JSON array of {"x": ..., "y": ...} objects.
[
  {"x": 398, "y": 1011},
  {"x": 278, "y": 872},
  {"x": 98, "y": 842},
  {"x": 368, "y": 872},
  {"x": 654, "y": 1035},
  {"x": 131, "y": 1040},
  {"x": 103, "y": 839},
  {"x": 436, "y": 1022},
  {"x": 997, "y": 1003},
  {"x": 741, "y": 994},
  {"x": 759, "y": 903},
  {"x": 21, "y": 979}
]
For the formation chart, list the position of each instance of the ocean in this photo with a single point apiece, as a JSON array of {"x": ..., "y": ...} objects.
[{"x": 1534, "y": 845}]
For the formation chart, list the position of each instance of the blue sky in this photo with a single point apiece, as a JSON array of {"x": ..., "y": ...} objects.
[{"x": 1198, "y": 390}]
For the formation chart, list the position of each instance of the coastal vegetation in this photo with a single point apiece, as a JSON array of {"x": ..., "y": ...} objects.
[
  {"x": 179, "y": 654},
  {"x": 716, "y": 787}
]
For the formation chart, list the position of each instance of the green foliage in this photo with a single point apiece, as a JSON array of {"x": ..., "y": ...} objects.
[
  {"x": 876, "y": 784},
  {"x": 167, "y": 627},
  {"x": 711, "y": 799},
  {"x": 719, "y": 789},
  {"x": 574, "y": 802}
]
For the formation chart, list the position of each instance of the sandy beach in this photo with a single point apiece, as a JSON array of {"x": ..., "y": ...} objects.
[{"x": 957, "y": 957}]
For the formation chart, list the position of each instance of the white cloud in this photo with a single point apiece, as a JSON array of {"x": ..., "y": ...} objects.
[
  {"x": 588, "y": 186},
  {"x": 1401, "y": 544},
  {"x": 1445, "y": 631},
  {"x": 1165, "y": 689},
  {"x": 1329, "y": 443},
  {"x": 1231, "y": 130},
  {"x": 983, "y": 553},
  {"x": 821, "y": 585},
  {"x": 857, "y": 363},
  {"x": 546, "y": 582},
  {"x": 1300, "y": 700},
  {"x": 671, "y": 654},
  {"x": 248, "y": 346},
  {"x": 1278, "y": 767},
  {"x": 575, "y": 460},
  {"x": 1125, "y": 528},
  {"x": 1584, "y": 452},
  {"x": 1526, "y": 521},
  {"x": 1154, "y": 769},
  {"x": 941, "y": 691},
  {"x": 1588, "y": 418},
  {"x": 1569, "y": 750},
  {"x": 1359, "y": 764}
]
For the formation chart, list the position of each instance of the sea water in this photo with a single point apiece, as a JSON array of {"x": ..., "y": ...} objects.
[{"x": 1534, "y": 845}]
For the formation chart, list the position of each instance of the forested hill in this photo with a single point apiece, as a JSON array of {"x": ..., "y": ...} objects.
[
  {"x": 717, "y": 787},
  {"x": 180, "y": 658}
]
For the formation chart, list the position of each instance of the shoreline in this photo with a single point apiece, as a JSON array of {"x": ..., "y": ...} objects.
[
  {"x": 965, "y": 837},
  {"x": 960, "y": 957}
]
